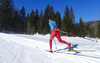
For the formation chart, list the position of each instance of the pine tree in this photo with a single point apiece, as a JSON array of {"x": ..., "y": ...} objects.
[
  {"x": 6, "y": 13},
  {"x": 95, "y": 29},
  {"x": 68, "y": 21},
  {"x": 64, "y": 26},
  {"x": 36, "y": 19},
  {"x": 72, "y": 21},
  {"x": 65, "y": 20},
  {"x": 72, "y": 15},
  {"x": 27, "y": 22},
  {"x": 88, "y": 31},
  {"x": 66, "y": 13},
  {"x": 31, "y": 23},
  {"x": 46, "y": 18},
  {"x": 22, "y": 20},
  {"x": 57, "y": 18},
  {"x": 40, "y": 23},
  {"x": 77, "y": 29},
  {"x": 51, "y": 12},
  {"x": 99, "y": 30},
  {"x": 16, "y": 22},
  {"x": 23, "y": 14},
  {"x": 28, "y": 16},
  {"x": 0, "y": 16},
  {"x": 81, "y": 27}
]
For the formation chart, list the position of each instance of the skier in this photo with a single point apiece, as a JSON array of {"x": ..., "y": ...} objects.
[{"x": 55, "y": 33}]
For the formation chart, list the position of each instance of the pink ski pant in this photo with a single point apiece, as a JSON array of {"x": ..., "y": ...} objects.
[{"x": 57, "y": 35}]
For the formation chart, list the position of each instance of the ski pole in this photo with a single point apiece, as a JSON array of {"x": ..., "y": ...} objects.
[
  {"x": 55, "y": 45},
  {"x": 78, "y": 36},
  {"x": 68, "y": 33}
]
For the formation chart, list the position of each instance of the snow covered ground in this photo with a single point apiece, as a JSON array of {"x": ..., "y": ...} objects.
[{"x": 22, "y": 48}]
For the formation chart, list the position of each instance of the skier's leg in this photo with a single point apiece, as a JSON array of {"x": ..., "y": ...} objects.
[
  {"x": 59, "y": 38},
  {"x": 62, "y": 41},
  {"x": 53, "y": 34}
]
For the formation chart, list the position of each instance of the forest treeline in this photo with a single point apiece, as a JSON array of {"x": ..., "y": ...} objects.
[{"x": 17, "y": 21}]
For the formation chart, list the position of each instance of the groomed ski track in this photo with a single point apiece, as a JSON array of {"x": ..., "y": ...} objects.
[{"x": 21, "y": 48}]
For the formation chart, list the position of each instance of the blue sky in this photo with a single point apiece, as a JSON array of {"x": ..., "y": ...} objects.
[{"x": 87, "y": 9}]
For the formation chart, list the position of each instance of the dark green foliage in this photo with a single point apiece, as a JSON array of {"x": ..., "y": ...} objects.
[
  {"x": 88, "y": 31},
  {"x": 10, "y": 19},
  {"x": 51, "y": 12},
  {"x": 64, "y": 24},
  {"x": 31, "y": 23},
  {"x": 81, "y": 28},
  {"x": 99, "y": 30},
  {"x": 40, "y": 23},
  {"x": 22, "y": 20},
  {"x": 16, "y": 22},
  {"x": 46, "y": 20},
  {"x": 57, "y": 19},
  {"x": 6, "y": 12},
  {"x": 77, "y": 29},
  {"x": 36, "y": 19},
  {"x": 72, "y": 21},
  {"x": 66, "y": 11},
  {"x": 23, "y": 14},
  {"x": 68, "y": 21},
  {"x": 65, "y": 20}
]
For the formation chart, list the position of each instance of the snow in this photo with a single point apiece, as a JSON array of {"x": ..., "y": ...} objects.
[{"x": 23, "y": 48}]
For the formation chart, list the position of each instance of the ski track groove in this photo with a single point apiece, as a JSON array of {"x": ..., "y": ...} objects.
[
  {"x": 10, "y": 52},
  {"x": 12, "y": 46}
]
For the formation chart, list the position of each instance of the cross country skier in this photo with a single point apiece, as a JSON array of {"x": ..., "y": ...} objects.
[{"x": 55, "y": 33}]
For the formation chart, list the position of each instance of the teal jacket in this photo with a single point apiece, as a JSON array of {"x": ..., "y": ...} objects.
[{"x": 52, "y": 24}]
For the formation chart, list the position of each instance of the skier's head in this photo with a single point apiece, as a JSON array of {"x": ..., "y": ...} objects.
[{"x": 50, "y": 19}]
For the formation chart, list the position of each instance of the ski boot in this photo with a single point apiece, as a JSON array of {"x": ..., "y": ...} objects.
[
  {"x": 50, "y": 50},
  {"x": 69, "y": 46}
]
